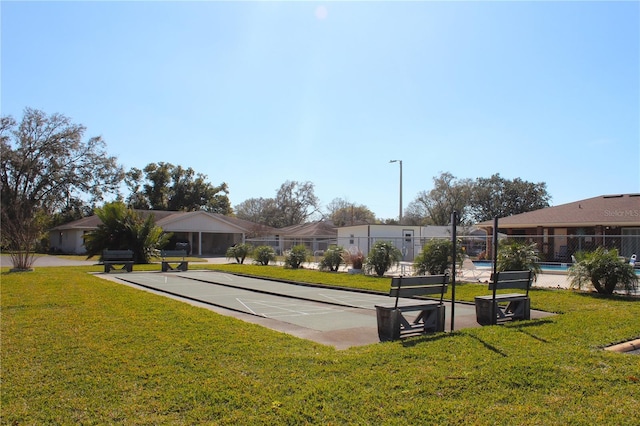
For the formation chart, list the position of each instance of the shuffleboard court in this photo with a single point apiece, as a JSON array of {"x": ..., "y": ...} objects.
[
  {"x": 310, "y": 307},
  {"x": 337, "y": 317}
]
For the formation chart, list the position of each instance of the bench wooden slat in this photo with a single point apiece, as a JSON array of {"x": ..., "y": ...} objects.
[
  {"x": 418, "y": 290},
  {"x": 173, "y": 253},
  {"x": 418, "y": 281}
]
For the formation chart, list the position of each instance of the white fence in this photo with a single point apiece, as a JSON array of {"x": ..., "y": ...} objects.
[{"x": 551, "y": 248}]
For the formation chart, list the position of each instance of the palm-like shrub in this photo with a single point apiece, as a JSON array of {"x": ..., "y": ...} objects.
[
  {"x": 262, "y": 255},
  {"x": 332, "y": 259},
  {"x": 239, "y": 252},
  {"x": 122, "y": 228},
  {"x": 604, "y": 271},
  {"x": 435, "y": 257},
  {"x": 518, "y": 256},
  {"x": 381, "y": 257},
  {"x": 296, "y": 257}
]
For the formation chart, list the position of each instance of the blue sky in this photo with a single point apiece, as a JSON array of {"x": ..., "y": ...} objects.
[{"x": 258, "y": 93}]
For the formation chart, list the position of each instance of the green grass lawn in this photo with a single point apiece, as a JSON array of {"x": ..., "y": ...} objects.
[{"x": 77, "y": 349}]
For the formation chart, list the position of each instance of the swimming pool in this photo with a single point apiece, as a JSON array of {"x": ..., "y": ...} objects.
[{"x": 544, "y": 266}]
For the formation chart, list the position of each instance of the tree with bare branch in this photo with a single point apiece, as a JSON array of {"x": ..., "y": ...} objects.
[{"x": 45, "y": 166}]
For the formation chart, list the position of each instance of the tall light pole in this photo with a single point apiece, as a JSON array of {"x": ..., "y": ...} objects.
[{"x": 400, "y": 215}]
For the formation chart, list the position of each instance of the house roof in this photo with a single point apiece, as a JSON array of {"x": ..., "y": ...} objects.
[
  {"x": 313, "y": 229},
  {"x": 606, "y": 210},
  {"x": 164, "y": 219}
]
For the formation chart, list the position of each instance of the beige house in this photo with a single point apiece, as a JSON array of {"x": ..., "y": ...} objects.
[
  {"x": 612, "y": 221},
  {"x": 206, "y": 233}
]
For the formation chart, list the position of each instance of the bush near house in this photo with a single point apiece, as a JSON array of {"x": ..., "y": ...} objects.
[
  {"x": 262, "y": 255},
  {"x": 239, "y": 252},
  {"x": 332, "y": 259},
  {"x": 435, "y": 257},
  {"x": 604, "y": 270},
  {"x": 518, "y": 256},
  {"x": 296, "y": 257},
  {"x": 382, "y": 256}
]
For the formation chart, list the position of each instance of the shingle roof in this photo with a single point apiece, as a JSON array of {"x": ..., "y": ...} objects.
[
  {"x": 609, "y": 210},
  {"x": 314, "y": 229},
  {"x": 162, "y": 217}
]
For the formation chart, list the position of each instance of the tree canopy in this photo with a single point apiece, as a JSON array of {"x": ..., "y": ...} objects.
[
  {"x": 500, "y": 197},
  {"x": 342, "y": 213},
  {"x": 163, "y": 186},
  {"x": 295, "y": 203},
  {"x": 448, "y": 194},
  {"x": 45, "y": 167},
  {"x": 475, "y": 201}
]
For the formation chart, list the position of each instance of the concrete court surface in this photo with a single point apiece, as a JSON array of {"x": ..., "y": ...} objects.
[{"x": 339, "y": 318}]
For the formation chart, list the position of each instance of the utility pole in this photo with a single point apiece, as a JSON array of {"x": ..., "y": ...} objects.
[{"x": 400, "y": 213}]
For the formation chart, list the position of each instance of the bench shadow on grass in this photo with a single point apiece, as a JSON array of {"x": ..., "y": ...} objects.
[
  {"x": 518, "y": 326},
  {"x": 413, "y": 341},
  {"x": 432, "y": 338},
  {"x": 523, "y": 326},
  {"x": 616, "y": 296}
]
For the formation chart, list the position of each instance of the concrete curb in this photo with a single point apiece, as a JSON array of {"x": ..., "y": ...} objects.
[{"x": 624, "y": 347}]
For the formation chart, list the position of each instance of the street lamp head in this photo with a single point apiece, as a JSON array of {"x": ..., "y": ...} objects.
[{"x": 393, "y": 161}]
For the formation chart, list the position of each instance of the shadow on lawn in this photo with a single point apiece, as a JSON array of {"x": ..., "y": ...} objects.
[
  {"x": 615, "y": 296},
  {"x": 522, "y": 328},
  {"x": 432, "y": 338}
]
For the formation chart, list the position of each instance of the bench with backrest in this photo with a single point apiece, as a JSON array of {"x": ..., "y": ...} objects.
[
  {"x": 173, "y": 260},
  {"x": 497, "y": 308},
  {"x": 392, "y": 322},
  {"x": 111, "y": 258}
]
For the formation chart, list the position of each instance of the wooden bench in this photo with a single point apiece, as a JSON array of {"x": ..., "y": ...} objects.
[
  {"x": 392, "y": 323},
  {"x": 174, "y": 264},
  {"x": 495, "y": 308},
  {"x": 111, "y": 258}
]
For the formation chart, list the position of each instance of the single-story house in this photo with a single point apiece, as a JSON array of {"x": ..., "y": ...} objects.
[
  {"x": 612, "y": 221},
  {"x": 206, "y": 233}
]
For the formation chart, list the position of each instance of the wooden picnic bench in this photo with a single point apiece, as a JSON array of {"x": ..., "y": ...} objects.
[
  {"x": 111, "y": 258},
  {"x": 495, "y": 308},
  {"x": 170, "y": 261},
  {"x": 392, "y": 323}
]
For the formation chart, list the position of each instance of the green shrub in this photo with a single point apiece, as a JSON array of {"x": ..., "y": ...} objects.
[
  {"x": 436, "y": 258},
  {"x": 604, "y": 270},
  {"x": 262, "y": 255},
  {"x": 296, "y": 257},
  {"x": 239, "y": 252},
  {"x": 332, "y": 259},
  {"x": 122, "y": 228},
  {"x": 518, "y": 256},
  {"x": 381, "y": 257}
]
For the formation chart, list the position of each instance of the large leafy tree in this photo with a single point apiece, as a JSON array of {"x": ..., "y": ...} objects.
[
  {"x": 343, "y": 213},
  {"x": 123, "y": 228},
  {"x": 163, "y": 186},
  {"x": 258, "y": 210},
  {"x": 295, "y": 203},
  {"x": 47, "y": 167},
  {"x": 500, "y": 197},
  {"x": 448, "y": 194}
]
